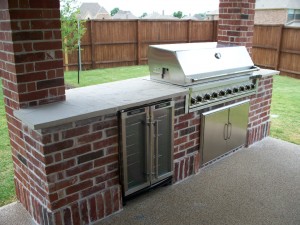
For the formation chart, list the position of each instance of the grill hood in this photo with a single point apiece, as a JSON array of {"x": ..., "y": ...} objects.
[{"x": 192, "y": 63}]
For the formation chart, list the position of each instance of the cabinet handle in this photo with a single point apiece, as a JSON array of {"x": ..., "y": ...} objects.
[
  {"x": 156, "y": 147},
  {"x": 230, "y": 129},
  {"x": 225, "y": 132}
]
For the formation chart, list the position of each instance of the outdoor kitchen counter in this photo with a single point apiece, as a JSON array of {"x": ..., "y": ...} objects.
[
  {"x": 97, "y": 100},
  {"x": 103, "y": 99}
]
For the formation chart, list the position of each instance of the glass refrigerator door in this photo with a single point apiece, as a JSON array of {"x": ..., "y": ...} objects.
[
  {"x": 135, "y": 150},
  {"x": 162, "y": 148}
]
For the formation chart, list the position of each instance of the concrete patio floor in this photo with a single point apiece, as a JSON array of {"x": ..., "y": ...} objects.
[{"x": 256, "y": 185}]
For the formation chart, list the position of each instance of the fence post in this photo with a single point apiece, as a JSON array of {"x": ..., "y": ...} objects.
[
  {"x": 215, "y": 30},
  {"x": 278, "y": 49},
  {"x": 189, "y": 30},
  {"x": 66, "y": 57},
  {"x": 138, "y": 49},
  {"x": 92, "y": 43}
]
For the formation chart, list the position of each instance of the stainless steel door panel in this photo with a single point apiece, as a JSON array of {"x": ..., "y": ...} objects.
[
  {"x": 223, "y": 130},
  {"x": 214, "y": 133},
  {"x": 163, "y": 121},
  {"x": 238, "y": 122},
  {"x": 135, "y": 153}
]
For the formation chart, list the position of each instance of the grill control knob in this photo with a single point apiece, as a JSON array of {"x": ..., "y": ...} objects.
[
  {"x": 247, "y": 87},
  {"x": 193, "y": 101},
  {"x": 214, "y": 95},
  {"x": 207, "y": 96},
  {"x": 199, "y": 98},
  {"x": 229, "y": 91},
  {"x": 235, "y": 90},
  {"x": 242, "y": 88},
  {"x": 252, "y": 86},
  {"x": 222, "y": 93}
]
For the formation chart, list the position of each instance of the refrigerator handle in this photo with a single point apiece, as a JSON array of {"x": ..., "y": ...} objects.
[
  {"x": 225, "y": 131},
  {"x": 156, "y": 148},
  {"x": 230, "y": 129}
]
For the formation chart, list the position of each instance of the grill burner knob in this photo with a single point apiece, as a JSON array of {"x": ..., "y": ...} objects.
[
  {"x": 193, "y": 100},
  {"x": 207, "y": 96},
  {"x": 199, "y": 98},
  {"x": 235, "y": 90},
  {"x": 214, "y": 95},
  {"x": 248, "y": 87},
  {"x": 222, "y": 93},
  {"x": 229, "y": 91},
  {"x": 242, "y": 88},
  {"x": 252, "y": 86}
]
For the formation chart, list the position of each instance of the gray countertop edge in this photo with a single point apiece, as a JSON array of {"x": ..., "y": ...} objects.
[
  {"x": 267, "y": 72},
  {"x": 22, "y": 114}
]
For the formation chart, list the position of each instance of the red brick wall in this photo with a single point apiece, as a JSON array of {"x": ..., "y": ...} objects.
[
  {"x": 70, "y": 173},
  {"x": 236, "y": 21},
  {"x": 186, "y": 141},
  {"x": 259, "y": 114}
]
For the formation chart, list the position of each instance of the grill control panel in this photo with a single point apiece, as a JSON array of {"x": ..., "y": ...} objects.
[{"x": 206, "y": 95}]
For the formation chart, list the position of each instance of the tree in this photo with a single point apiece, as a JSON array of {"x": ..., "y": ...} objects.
[
  {"x": 114, "y": 11},
  {"x": 69, "y": 14},
  {"x": 144, "y": 14},
  {"x": 178, "y": 14},
  {"x": 200, "y": 16}
]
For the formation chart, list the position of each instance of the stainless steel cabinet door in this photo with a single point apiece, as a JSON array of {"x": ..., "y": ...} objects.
[
  {"x": 162, "y": 140},
  {"x": 214, "y": 131},
  {"x": 135, "y": 150},
  {"x": 237, "y": 125}
]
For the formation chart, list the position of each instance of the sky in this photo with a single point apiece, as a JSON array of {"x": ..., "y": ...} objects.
[{"x": 138, "y": 7}]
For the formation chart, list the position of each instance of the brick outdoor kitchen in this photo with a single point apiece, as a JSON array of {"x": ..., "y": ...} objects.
[{"x": 66, "y": 164}]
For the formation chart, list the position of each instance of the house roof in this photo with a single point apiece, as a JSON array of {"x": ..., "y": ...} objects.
[
  {"x": 157, "y": 16},
  {"x": 212, "y": 13},
  {"x": 91, "y": 9},
  {"x": 123, "y": 15},
  {"x": 277, "y": 4},
  {"x": 295, "y": 23},
  {"x": 189, "y": 18}
]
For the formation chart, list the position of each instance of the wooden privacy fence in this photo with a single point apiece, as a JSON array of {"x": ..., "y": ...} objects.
[
  {"x": 277, "y": 47},
  {"x": 111, "y": 43}
]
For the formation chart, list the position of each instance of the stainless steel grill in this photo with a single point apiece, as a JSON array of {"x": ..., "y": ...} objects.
[{"x": 212, "y": 72}]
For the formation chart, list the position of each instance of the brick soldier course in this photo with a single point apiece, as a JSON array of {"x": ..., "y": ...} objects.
[{"x": 69, "y": 174}]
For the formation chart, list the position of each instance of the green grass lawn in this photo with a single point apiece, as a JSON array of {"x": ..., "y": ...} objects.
[
  {"x": 285, "y": 114},
  {"x": 285, "y": 110},
  {"x": 7, "y": 189},
  {"x": 100, "y": 76}
]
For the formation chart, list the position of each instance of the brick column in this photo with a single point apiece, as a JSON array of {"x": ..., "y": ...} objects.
[
  {"x": 31, "y": 67},
  {"x": 236, "y": 22},
  {"x": 30, "y": 50}
]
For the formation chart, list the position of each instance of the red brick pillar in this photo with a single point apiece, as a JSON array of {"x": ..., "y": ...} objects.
[
  {"x": 236, "y": 22},
  {"x": 30, "y": 50},
  {"x": 31, "y": 67}
]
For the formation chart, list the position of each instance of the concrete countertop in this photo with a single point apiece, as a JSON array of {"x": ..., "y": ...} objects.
[
  {"x": 266, "y": 72},
  {"x": 96, "y": 100}
]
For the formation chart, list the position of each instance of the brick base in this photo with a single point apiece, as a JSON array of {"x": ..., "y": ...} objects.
[
  {"x": 91, "y": 209},
  {"x": 85, "y": 211},
  {"x": 186, "y": 166},
  {"x": 258, "y": 133}
]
